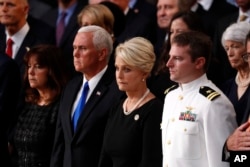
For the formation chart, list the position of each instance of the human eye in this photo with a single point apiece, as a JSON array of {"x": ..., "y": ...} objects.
[
  {"x": 10, "y": 5},
  {"x": 235, "y": 46},
  {"x": 37, "y": 66},
  {"x": 226, "y": 48},
  {"x": 177, "y": 58},
  {"x": 126, "y": 69}
]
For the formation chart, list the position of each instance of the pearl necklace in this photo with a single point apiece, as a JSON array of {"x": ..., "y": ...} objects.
[
  {"x": 242, "y": 84},
  {"x": 136, "y": 105}
]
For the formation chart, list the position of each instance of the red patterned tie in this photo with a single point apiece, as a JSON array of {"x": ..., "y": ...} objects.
[
  {"x": 60, "y": 28},
  {"x": 9, "y": 47}
]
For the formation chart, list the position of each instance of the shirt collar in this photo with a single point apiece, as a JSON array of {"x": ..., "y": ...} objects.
[
  {"x": 94, "y": 81},
  {"x": 247, "y": 13},
  {"x": 206, "y": 4},
  {"x": 69, "y": 12},
  {"x": 194, "y": 84},
  {"x": 18, "y": 37}
]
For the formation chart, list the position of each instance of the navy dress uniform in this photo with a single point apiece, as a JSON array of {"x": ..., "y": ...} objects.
[{"x": 197, "y": 119}]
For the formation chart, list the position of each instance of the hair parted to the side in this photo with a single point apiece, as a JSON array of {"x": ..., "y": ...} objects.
[
  {"x": 101, "y": 38},
  {"x": 137, "y": 52},
  {"x": 199, "y": 43},
  {"x": 48, "y": 56},
  {"x": 99, "y": 14},
  {"x": 236, "y": 32}
]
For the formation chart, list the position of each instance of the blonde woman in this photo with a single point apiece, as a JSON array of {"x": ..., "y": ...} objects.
[{"x": 132, "y": 136}]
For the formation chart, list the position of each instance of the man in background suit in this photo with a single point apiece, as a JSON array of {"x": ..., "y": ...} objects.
[
  {"x": 210, "y": 12},
  {"x": 52, "y": 17},
  {"x": 10, "y": 84},
  {"x": 23, "y": 30},
  {"x": 81, "y": 147},
  {"x": 140, "y": 20}
]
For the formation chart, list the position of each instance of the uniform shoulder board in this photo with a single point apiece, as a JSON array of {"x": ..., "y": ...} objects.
[
  {"x": 170, "y": 88},
  {"x": 209, "y": 93}
]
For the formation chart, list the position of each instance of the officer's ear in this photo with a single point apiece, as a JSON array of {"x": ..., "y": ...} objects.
[
  {"x": 103, "y": 53},
  {"x": 200, "y": 62}
]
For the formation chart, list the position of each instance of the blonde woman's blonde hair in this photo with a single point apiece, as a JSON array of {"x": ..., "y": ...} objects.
[
  {"x": 100, "y": 16},
  {"x": 137, "y": 52}
]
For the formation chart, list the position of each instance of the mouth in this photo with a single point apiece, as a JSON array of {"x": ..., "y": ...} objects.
[{"x": 121, "y": 83}]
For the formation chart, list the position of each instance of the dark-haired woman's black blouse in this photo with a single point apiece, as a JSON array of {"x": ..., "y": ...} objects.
[{"x": 34, "y": 135}]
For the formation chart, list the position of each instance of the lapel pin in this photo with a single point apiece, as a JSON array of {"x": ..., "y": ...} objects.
[
  {"x": 98, "y": 93},
  {"x": 136, "y": 117}
]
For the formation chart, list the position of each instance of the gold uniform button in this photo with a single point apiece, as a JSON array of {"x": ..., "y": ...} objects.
[
  {"x": 180, "y": 97},
  {"x": 172, "y": 119},
  {"x": 185, "y": 129},
  {"x": 168, "y": 142}
]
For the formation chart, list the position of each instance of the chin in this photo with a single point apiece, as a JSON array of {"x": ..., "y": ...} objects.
[{"x": 121, "y": 88}]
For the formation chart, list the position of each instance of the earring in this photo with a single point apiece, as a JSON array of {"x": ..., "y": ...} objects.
[{"x": 143, "y": 80}]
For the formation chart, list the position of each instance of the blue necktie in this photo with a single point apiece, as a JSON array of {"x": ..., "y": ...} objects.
[{"x": 80, "y": 105}]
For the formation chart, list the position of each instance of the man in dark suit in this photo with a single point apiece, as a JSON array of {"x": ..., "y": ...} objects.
[
  {"x": 81, "y": 146},
  {"x": 10, "y": 84},
  {"x": 140, "y": 20},
  {"x": 52, "y": 17},
  {"x": 24, "y": 31},
  {"x": 210, "y": 12}
]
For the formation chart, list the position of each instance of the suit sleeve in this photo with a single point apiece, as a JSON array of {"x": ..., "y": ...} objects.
[{"x": 58, "y": 147}]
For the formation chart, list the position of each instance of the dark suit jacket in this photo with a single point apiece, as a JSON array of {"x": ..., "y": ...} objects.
[
  {"x": 83, "y": 147},
  {"x": 215, "y": 12},
  {"x": 66, "y": 43},
  {"x": 210, "y": 18},
  {"x": 10, "y": 84},
  {"x": 140, "y": 21},
  {"x": 31, "y": 39}
]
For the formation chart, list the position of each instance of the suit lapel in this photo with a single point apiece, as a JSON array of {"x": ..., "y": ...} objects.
[
  {"x": 96, "y": 96},
  {"x": 68, "y": 105}
]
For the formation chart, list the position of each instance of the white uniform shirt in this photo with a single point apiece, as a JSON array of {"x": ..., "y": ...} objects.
[{"x": 195, "y": 127}]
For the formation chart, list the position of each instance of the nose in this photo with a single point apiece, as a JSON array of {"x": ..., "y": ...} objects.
[
  {"x": 3, "y": 6},
  {"x": 118, "y": 73},
  {"x": 169, "y": 63},
  {"x": 31, "y": 70},
  {"x": 230, "y": 52},
  {"x": 160, "y": 11},
  {"x": 76, "y": 52}
]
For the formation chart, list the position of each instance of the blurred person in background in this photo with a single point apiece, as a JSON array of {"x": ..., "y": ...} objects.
[{"x": 10, "y": 85}]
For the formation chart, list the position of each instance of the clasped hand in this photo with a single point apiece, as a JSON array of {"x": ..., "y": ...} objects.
[{"x": 240, "y": 139}]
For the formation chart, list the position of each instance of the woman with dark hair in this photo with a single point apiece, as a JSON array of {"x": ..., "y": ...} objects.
[
  {"x": 181, "y": 22},
  {"x": 44, "y": 80}
]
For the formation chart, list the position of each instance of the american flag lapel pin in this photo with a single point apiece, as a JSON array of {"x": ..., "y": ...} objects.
[{"x": 98, "y": 93}]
